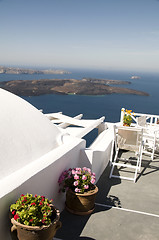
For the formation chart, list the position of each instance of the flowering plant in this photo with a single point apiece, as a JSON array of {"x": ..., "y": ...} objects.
[
  {"x": 79, "y": 180},
  {"x": 127, "y": 120},
  {"x": 33, "y": 210}
]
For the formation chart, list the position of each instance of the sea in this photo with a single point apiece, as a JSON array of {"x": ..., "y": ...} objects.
[
  {"x": 93, "y": 107},
  {"x": 97, "y": 106}
]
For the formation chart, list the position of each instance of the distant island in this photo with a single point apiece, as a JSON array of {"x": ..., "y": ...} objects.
[
  {"x": 85, "y": 86},
  {"x": 12, "y": 70}
]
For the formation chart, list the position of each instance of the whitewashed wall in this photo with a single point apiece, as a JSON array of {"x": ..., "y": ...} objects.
[{"x": 43, "y": 182}]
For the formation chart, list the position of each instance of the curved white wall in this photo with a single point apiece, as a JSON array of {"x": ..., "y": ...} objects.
[{"x": 25, "y": 133}]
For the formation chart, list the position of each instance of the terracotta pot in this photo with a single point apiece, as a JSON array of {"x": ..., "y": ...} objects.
[
  {"x": 81, "y": 203},
  {"x": 125, "y": 124},
  {"x": 25, "y": 232}
]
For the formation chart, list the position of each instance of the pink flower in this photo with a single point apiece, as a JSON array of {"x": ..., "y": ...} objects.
[
  {"x": 84, "y": 177},
  {"x": 86, "y": 186},
  {"x": 92, "y": 180},
  {"x": 78, "y": 170},
  {"x": 84, "y": 169},
  {"x": 73, "y": 171},
  {"x": 75, "y": 183},
  {"x": 89, "y": 170},
  {"x": 76, "y": 177},
  {"x": 77, "y": 190}
]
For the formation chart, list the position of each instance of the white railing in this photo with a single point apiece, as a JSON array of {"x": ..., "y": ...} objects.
[{"x": 150, "y": 119}]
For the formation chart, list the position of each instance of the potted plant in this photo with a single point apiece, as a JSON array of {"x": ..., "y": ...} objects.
[
  {"x": 79, "y": 184},
  {"x": 34, "y": 218},
  {"x": 127, "y": 119}
]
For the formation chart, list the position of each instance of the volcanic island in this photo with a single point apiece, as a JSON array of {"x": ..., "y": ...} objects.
[{"x": 85, "y": 86}]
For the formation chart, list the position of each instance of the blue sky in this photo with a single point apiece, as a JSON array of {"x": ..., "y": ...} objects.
[{"x": 98, "y": 34}]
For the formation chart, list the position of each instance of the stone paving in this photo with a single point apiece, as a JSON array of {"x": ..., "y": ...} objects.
[{"x": 123, "y": 210}]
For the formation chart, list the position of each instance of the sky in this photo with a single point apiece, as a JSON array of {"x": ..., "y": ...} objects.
[{"x": 90, "y": 34}]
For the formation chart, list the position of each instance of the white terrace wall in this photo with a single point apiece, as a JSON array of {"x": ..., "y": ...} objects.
[
  {"x": 43, "y": 182},
  {"x": 33, "y": 153}
]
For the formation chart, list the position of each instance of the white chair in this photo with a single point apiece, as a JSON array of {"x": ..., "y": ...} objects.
[
  {"x": 150, "y": 141},
  {"x": 149, "y": 136},
  {"x": 131, "y": 139}
]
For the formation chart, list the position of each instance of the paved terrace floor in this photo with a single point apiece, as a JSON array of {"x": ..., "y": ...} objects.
[{"x": 123, "y": 210}]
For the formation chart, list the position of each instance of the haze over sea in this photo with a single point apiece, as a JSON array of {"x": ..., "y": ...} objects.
[{"x": 96, "y": 106}]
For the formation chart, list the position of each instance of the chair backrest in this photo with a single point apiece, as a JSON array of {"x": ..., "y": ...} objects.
[
  {"x": 129, "y": 138},
  {"x": 141, "y": 121}
]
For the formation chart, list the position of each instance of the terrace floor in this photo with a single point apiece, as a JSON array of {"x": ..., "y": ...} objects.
[{"x": 123, "y": 210}]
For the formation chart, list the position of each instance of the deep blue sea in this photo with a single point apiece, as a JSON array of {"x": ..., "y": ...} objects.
[{"x": 96, "y": 106}]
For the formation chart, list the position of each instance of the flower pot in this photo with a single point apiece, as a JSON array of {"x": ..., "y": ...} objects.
[
  {"x": 125, "y": 124},
  {"x": 46, "y": 232},
  {"x": 81, "y": 203}
]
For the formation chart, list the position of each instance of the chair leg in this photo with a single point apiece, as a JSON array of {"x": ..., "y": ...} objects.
[{"x": 115, "y": 158}]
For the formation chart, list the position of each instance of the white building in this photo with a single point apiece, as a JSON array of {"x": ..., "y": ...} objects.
[{"x": 34, "y": 152}]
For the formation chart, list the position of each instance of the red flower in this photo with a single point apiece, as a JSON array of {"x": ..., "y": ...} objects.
[
  {"x": 43, "y": 221},
  {"x": 13, "y": 212},
  {"x": 40, "y": 203},
  {"x": 16, "y": 216},
  {"x": 33, "y": 203},
  {"x": 22, "y": 195},
  {"x": 31, "y": 220},
  {"x": 36, "y": 195}
]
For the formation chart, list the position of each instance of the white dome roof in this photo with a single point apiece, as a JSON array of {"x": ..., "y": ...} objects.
[{"x": 25, "y": 133}]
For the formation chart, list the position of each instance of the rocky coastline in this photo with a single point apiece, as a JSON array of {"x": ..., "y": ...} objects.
[{"x": 86, "y": 86}]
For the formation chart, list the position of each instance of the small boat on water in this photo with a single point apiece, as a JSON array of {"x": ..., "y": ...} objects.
[{"x": 135, "y": 77}]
